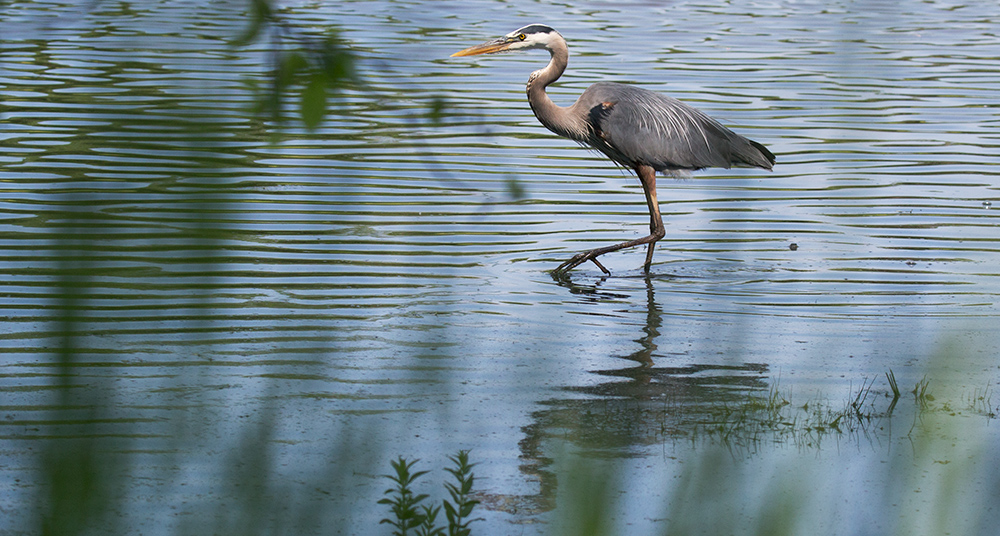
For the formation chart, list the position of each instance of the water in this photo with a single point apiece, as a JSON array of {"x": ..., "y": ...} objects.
[{"x": 380, "y": 286}]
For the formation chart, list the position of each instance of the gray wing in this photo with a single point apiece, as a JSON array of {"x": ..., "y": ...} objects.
[{"x": 635, "y": 126}]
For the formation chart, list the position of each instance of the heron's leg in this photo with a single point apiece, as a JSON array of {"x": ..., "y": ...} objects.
[{"x": 647, "y": 176}]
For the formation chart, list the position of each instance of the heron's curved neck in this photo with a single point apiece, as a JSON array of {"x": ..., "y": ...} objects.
[{"x": 554, "y": 117}]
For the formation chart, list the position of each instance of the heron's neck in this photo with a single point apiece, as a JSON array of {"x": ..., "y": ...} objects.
[{"x": 555, "y": 118}]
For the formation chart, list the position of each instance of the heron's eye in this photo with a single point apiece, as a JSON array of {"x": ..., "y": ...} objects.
[{"x": 521, "y": 37}]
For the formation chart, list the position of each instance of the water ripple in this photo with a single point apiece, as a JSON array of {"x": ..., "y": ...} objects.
[{"x": 150, "y": 218}]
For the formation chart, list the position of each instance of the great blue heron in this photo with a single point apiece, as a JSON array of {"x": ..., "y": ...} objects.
[{"x": 637, "y": 128}]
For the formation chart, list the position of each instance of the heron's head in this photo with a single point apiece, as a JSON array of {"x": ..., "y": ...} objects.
[{"x": 526, "y": 38}]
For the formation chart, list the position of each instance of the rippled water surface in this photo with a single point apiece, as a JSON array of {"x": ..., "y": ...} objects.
[{"x": 181, "y": 278}]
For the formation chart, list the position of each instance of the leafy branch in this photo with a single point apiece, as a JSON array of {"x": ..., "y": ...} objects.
[{"x": 318, "y": 65}]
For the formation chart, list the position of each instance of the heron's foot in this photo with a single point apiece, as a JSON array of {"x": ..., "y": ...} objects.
[{"x": 581, "y": 258}]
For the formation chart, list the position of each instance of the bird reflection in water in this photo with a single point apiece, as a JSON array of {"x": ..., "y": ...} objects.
[{"x": 626, "y": 408}]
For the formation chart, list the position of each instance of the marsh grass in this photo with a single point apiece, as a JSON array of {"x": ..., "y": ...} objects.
[
  {"x": 981, "y": 401},
  {"x": 770, "y": 417},
  {"x": 894, "y": 386},
  {"x": 920, "y": 393},
  {"x": 891, "y": 377}
]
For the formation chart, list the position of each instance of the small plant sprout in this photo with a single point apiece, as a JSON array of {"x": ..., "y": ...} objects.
[
  {"x": 460, "y": 507},
  {"x": 895, "y": 390},
  {"x": 982, "y": 401},
  {"x": 429, "y": 527},
  {"x": 892, "y": 384},
  {"x": 920, "y": 393},
  {"x": 861, "y": 397},
  {"x": 402, "y": 501},
  {"x": 408, "y": 514}
]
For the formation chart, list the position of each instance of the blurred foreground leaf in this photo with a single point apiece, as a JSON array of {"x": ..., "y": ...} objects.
[
  {"x": 312, "y": 66},
  {"x": 313, "y": 106}
]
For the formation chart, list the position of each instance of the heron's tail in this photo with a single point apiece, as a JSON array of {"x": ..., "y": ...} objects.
[{"x": 757, "y": 155}]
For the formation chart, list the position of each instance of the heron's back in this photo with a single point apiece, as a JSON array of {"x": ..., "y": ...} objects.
[{"x": 635, "y": 126}]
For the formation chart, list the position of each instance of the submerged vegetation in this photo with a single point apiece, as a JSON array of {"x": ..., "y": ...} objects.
[
  {"x": 981, "y": 401},
  {"x": 770, "y": 416}
]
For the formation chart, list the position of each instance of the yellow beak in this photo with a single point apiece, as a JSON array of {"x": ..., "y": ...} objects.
[{"x": 489, "y": 47}]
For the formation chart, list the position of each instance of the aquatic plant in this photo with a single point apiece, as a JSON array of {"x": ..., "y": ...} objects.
[
  {"x": 401, "y": 500},
  {"x": 920, "y": 393},
  {"x": 458, "y": 512},
  {"x": 409, "y": 514},
  {"x": 770, "y": 416}
]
